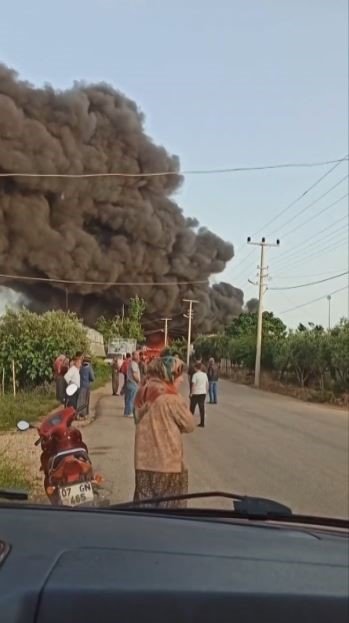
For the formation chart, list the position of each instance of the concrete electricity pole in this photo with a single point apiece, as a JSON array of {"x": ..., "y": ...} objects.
[
  {"x": 261, "y": 286},
  {"x": 166, "y": 321},
  {"x": 190, "y": 317}
]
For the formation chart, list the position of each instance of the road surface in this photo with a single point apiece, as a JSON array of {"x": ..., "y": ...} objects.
[{"x": 255, "y": 443}]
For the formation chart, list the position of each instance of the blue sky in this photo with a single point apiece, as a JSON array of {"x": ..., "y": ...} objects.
[{"x": 222, "y": 83}]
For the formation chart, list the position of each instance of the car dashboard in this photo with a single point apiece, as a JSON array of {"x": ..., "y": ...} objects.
[{"x": 86, "y": 566}]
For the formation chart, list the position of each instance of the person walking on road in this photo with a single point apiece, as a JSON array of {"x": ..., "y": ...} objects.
[
  {"x": 198, "y": 392},
  {"x": 161, "y": 417},
  {"x": 133, "y": 379},
  {"x": 213, "y": 376}
]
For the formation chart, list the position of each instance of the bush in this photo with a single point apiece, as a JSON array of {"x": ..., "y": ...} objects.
[{"x": 33, "y": 342}]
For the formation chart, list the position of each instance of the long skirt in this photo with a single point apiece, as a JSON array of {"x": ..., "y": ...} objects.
[
  {"x": 84, "y": 401},
  {"x": 161, "y": 484},
  {"x": 60, "y": 389}
]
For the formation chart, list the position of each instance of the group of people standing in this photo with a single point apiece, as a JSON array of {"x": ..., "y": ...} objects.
[{"x": 78, "y": 371}]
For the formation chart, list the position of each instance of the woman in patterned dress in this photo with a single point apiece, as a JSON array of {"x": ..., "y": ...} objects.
[{"x": 162, "y": 416}]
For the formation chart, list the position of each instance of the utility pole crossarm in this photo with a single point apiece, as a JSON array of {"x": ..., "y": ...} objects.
[{"x": 261, "y": 287}]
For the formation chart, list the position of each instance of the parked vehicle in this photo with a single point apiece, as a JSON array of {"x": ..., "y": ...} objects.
[{"x": 69, "y": 479}]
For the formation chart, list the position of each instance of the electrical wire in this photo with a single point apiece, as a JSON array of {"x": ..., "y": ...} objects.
[
  {"x": 314, "y": 245},
  {"x": 332, "y": 247},
  {"x": 286, "y": 311},
  {"x": 103, "y": 283},
  {"x": 300, "y": 225},
  {"x": 324, "y": 230},
  {"x": 311, "y": 204},
  {"x": 176, "y": 173},
  {"x": 303, "y": 194},
  {"x": 294, "y": 202},
  {"x": 310, "y": 283}
]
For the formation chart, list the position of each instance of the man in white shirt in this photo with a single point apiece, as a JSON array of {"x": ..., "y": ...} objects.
[
  {"x": 73, "y": 376},
  {"x": 198, "y": 392}
]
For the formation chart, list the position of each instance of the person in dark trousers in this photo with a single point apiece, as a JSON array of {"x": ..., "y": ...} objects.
[
  {"x": 87, "y": 376},
  {"x": 213, "y": 376},
  {"x": 198, "y": 392},
  {"x": 191, "y": 370}
]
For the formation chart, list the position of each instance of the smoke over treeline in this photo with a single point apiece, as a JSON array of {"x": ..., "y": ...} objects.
[{"x": 99, "y": 229}]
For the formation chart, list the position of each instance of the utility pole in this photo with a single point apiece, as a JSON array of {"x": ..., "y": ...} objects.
[
  {"x": 191, "y": 302},
  {"x": 166, "y": 321},
  {"x": 329, "y": 298},
  {"x": 261, "y": 287}
]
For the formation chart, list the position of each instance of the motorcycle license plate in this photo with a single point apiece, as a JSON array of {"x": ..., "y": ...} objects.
[{"x": 75, "y": 495}]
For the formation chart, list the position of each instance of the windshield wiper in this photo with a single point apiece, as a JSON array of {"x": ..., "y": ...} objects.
[
  {"x": 13, "y": 494},
  {"x": 243, "y": 504},
  {"x": 244, "y": 507}
]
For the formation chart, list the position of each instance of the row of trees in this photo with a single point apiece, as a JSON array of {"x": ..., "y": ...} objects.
[
  {"x": 309, "y": 356},
  {"x": 30, "y": 342}
]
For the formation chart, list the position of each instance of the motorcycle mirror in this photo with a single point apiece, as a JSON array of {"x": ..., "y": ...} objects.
[
  {"x": 71, "y": 389},
  {"x": 22, "y": 425}
]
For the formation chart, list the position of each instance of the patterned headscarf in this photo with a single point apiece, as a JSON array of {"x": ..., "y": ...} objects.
[
  {"x": 166, "y": 368},
  {"x": 161, "y": 375}
]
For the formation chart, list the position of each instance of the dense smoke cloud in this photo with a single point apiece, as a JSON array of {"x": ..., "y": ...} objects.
[{"x": 99, "y": 229}]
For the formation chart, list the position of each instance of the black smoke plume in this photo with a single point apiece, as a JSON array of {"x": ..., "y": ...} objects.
[{"x": 109, "y": 229}]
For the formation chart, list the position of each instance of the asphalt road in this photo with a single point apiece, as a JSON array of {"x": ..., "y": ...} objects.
[{"x": 255, "y": 443}]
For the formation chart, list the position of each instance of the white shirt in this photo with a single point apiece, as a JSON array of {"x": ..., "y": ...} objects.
[
  {"x": 72, "y": 376},
  {"x": 199, "y": 383}
]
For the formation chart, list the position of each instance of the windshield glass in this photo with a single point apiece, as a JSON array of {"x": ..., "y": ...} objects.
[{"x": 174, "y": 252}]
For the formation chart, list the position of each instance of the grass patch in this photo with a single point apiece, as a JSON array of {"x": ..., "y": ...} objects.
[
  {"x": 12, "y": 476},
  {"x": 102, "y": 372},
  {"x": 28, "y": 406}
]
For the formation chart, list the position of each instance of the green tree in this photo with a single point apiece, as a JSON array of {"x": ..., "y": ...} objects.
[
  {"x": 246, "y": 324},
  {"x": 339, "y": 354},
  {"x": 128, "y": 326},
  {"x": 33, "y": 341}
]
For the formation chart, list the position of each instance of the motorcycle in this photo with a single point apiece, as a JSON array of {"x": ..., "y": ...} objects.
[{"x": 69, "y": 479}]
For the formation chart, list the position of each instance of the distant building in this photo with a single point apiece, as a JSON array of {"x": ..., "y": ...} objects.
[{"x": 96, "y": 342}]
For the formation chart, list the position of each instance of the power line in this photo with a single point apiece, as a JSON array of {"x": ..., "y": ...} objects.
[
  {"x": 288, "y": 277},
  {"x": 311, "y": 283},
  {"x": 103, "y": 283},
  {"x": 324, "y": 230},
  {"x": 290, "y": 205},
  {"x": 321, "y": 251},
  {"x": 303, "y": 194},
  {"x": 314, "y": 245},
  {"x": 176, "y": 173},
  {"x": 312, "y": 203},
  {"x": 286, "y": 311}
]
